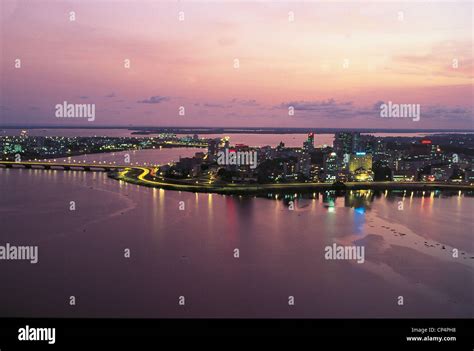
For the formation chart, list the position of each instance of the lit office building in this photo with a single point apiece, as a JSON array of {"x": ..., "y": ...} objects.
[
  {"x": 360, "y": 160},
  {"x": 346, "y": 143},
  {"x": 212, "y": 148},
  {"x": 330, "y": 167},
  {"x": 308, "y": 145},
  {"x": 304, "y": 164}
]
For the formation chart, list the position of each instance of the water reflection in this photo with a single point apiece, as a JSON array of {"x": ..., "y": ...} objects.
[
  {"x": 278, "y": 248},
  {"x": 361, "y": 200}
]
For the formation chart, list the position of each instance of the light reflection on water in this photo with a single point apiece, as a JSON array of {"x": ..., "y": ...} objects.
[{"x": 190, "y": 252}]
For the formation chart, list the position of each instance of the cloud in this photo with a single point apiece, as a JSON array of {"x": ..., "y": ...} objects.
[
  {"x": 325, "y": 108},
  {"x": 111, "y": 95},
  {"x": 215, "y": 105},
  {"x": 154, "y": 100},
  {"x": 229, "y": 104},
  {"x": 340, "y": 110},
  {"x": 323, "y": 105},
  {"x": 244, "y": 102},
  {"x": 378, "y": 104},
  {"x": 439, "y": 113},
  {"x": 447, "y": 113},
  {"x": 83, "y": 97}
]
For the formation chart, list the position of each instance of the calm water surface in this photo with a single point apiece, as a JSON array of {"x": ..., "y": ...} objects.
[{"x": 190, "y": 252}]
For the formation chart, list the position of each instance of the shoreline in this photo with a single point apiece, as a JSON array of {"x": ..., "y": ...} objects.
[
  {"x": 139, "y": 176},
  {"x": 253, "y": 189}
]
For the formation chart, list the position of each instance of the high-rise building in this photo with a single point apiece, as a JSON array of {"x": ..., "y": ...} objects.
[
  {"x": 330, "y": 167},
  {"x": 360, "y": 160},
  {"x": 304, "y": 164},
  {"x": 330, "y": 162},
  {"x": 368, "y": 144},
  {"x": 346, "y": 143},
  {"x": 212, "y": 147},
  {"x": 308, "y": 145}
]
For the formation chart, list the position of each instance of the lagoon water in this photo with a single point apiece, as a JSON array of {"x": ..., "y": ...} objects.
[
  {"x": 190, "y": 252},
  {"x": 290, "y": 140}
]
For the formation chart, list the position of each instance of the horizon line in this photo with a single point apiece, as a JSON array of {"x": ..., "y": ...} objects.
[{"x": 228, "y": 128}]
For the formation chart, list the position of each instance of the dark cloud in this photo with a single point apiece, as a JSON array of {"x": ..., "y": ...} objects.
[
  {"x": 154, "y": 100},
  {"x": 244, "y": 102},
  {"x": 111, "y": 95},
  {"x": 325, "y": 108},
  {"x": 447, "y": 113},
  {"x": 329, "y": 105},
  {"x": 333, "y": 109},
  {"x": 437, "y": 112},
  {"x": 378, "y": 104},
  {"x": 83, "y": 97}
]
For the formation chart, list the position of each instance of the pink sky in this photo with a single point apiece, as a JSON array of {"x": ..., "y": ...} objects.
[{"x": 282, "y": 63}]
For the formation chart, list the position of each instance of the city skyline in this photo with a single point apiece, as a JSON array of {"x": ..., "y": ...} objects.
[{"x": 351, "y": 159}]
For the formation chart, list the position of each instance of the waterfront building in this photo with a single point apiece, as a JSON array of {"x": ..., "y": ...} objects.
[
  {"x": 360, "y": 160},
  {"x": 330, "y": 167},
  {"x": 304, "y": 164},
  {"x": 308, "y": 144},
  {"x": 363, "y": 175},
  {"x": 403, "y": 176},
  {"x": 346, "y": 143},
  {"x": 212, "y": 148}
]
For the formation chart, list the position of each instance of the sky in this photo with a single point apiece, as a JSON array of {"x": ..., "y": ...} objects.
[{"x": 237, "y": 63}]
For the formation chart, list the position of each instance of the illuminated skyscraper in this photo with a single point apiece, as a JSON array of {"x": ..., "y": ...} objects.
[
  {"x": 330, "y": 167},
  {"x": 304, "y": 164},
  {"x": 308, "y": 145},
  {"x": 212, "y": 148},
  {"x": 346, "y": 143}
]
